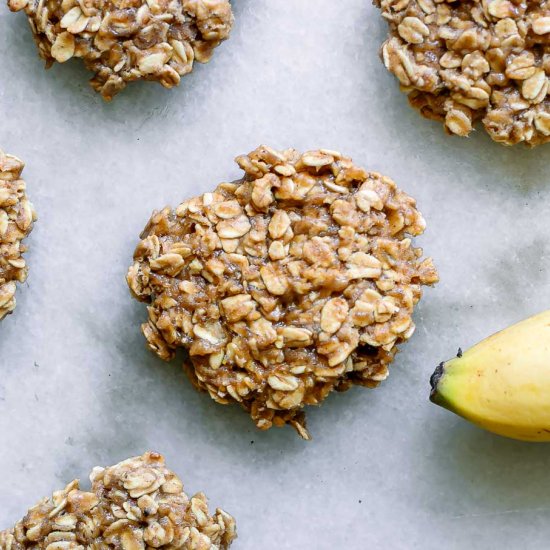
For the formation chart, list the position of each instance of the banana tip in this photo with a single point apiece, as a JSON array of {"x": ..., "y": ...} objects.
[{"x": 434, "y": 380}]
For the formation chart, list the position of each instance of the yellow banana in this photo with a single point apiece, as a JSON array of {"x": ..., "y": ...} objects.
[{"x": 502, "y": 384}]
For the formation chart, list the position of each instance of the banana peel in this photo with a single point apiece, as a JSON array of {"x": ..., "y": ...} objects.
[{"x": 502, "y": 384}]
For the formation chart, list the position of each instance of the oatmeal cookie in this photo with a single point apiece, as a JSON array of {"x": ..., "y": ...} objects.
[
  {"x": 136, "y": 504},
  {"x": 16, "y": 220},
  {"x": 126, "y": 40},
  {"x": 295, "y": 281},
  {"x": 468, "y": 60}
]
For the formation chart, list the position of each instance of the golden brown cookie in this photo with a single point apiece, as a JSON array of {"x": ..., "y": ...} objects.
[
  {"x": 126, "y": 40},
  {"x": 16, "y": 221},
  {"x": 133, "y": 505},
  {"x": 295, "y": 281},
  {"x": 469, "y": 60}
]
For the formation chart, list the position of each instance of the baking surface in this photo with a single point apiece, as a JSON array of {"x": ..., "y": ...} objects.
[{"x": 386, "y": 468}]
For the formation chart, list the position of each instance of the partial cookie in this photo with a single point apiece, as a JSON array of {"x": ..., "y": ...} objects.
[
  {"x": 469, "y": 60},
  {"x": 124, "y": 41},
  {"x": 134, "y": 505},
  {"x": 292, "y": 282},
  {"x": 16, "y": 221}
]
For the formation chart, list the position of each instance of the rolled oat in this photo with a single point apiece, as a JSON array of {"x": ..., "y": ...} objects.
[{"x": 295, "y": 281}]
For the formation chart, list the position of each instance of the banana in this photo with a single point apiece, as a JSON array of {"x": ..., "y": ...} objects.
[{"x": 502, "y": 384}]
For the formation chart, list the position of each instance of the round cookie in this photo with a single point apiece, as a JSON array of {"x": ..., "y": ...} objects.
[
  {"x": 16, "y": 221},
  {"x": 295, "y": 281},
  {"x": 126, "y": 40},
  {"x": 469, "y": 60},
  {"x": 133, "y": 505}
]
